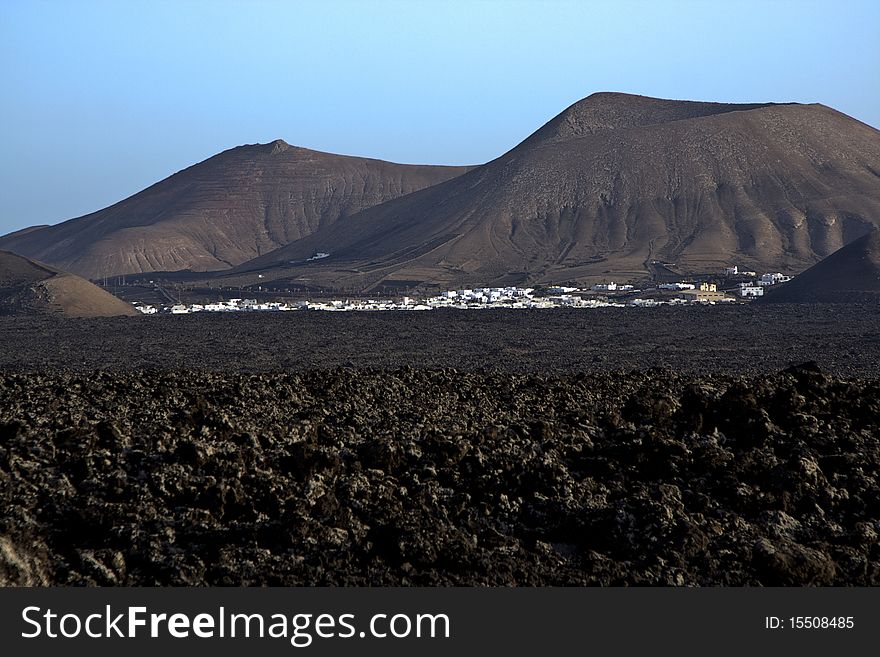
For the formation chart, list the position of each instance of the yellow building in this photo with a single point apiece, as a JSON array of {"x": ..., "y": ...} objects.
[{"x": 708, "y": 287}]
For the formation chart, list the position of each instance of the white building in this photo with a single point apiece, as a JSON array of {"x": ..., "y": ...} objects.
[
  {"x": 751, "y": 291},
  {"x": 605, "y": 287},
  {"x": 773, "y": 279}
]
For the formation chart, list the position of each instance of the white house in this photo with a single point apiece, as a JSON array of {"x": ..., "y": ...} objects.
[
  {"x": 773, "y": 279},
  {"x": 751, "y": 291}
]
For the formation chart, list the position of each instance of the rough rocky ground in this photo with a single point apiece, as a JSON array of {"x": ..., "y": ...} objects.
[
  {"x": 439, "y": 477},
  {"x": 844, "y": 339},
  {"x": 536, "y": 474}
]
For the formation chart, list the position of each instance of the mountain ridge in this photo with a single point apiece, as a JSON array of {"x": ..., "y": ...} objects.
[
  {"x": 587, "y": 116},
  {"x": 220, "y": 212},
  {"x": 763, "y": 185}
]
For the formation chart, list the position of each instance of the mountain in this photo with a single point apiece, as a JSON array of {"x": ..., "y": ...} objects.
[
  {"x": 32, "y": 288},
  {"x": 221, "y": 212},
  {"x": 850, "y": 275},
  {"x": 608, "y": 187}
]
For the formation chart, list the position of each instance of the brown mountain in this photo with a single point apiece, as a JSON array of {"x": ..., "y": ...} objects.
[
  {"x": 612, "y": 184},
  {"x": 32, "y": 288},
  {"x": 221, "y": 212},
  {"x": 850, "y": 275}
]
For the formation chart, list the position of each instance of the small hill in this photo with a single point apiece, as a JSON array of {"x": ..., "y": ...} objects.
[
  {"x": 850, "y": 275},
  {"x": 31, "y": 288},
  {"x": 230, "y": 208},
  {"x": 612, "y": 185}
]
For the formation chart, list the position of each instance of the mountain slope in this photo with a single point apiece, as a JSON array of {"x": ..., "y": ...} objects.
[
  {"x": 31, "y": 288},
  {"x": 216, "y": 214},
  {"x": 850, "y": 275},
  {"x": 611, "y": 184}
]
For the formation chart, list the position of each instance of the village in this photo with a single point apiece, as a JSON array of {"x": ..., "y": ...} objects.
[{"x": 739, "y": 287}]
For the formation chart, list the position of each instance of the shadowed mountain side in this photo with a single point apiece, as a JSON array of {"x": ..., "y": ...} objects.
[
  {"x": 850, "y": 275},
  {"x": 221, "y": 212},
  {"x": 31, "y": 288},
  {"x": 611, "y": 184}
]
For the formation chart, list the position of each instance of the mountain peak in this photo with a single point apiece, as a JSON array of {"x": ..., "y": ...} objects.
[
  {"x": 278, "y": 146},
  {"x": 604, "y": 111},
  {"x": 269, "y": 148},
  {"x": 216, "y": 214},
  {"x": 600, "y": 96},
  {"x": 613, "y": 184}
]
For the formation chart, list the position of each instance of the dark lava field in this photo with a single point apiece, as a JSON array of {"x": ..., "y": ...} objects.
[
  {"x": 843, "y": 339},
  {"x": 671, "y": 446}
]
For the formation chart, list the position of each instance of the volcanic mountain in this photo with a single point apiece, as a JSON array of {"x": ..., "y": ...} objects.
[
  {"x": 850, "y": 275},
  {"x": 32, "y": 288},
  {"x": 221, "y": 212},
  {"x": 610, "y": 188}
]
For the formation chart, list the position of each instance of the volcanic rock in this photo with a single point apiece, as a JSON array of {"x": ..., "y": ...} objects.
[{"x": 438, "y": 477}]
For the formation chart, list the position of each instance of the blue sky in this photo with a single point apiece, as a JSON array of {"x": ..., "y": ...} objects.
[{"x": 101, "y": 99}]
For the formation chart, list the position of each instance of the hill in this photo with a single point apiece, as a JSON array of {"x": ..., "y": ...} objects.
[
  {"x": 850, "y": 275},
  {"x": 221, "y": 212},
  {"x": 608, "y": 187},
  {"x": 31, "y": 288}
]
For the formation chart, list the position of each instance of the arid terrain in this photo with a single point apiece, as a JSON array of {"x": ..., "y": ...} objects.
[
  {"x": 29, "y": 288},
  {"x": 219, "y": 213},
  {"x": 844, "y": 339},
  {"x": 610, "y": 446},
  {"x": 613, "y": 185},
  {"x": 849, "y": 275}
]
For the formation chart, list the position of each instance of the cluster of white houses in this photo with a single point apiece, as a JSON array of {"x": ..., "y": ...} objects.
[
  {"x": 609, "y": 294},
  {"x": 756, "y": 288},
  {"x": 477, "y": 298}
]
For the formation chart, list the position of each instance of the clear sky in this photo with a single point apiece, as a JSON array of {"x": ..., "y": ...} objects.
[{"x": 101, "y": 99}]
